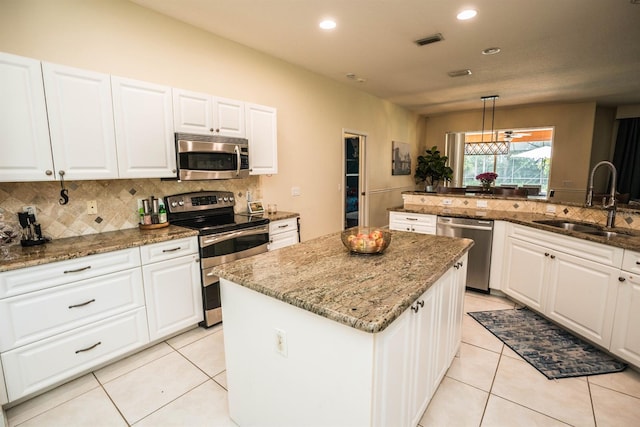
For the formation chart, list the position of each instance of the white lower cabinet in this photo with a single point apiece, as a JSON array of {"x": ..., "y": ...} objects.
[
  {"x": 173, "y": 294},
  {"x": 412, "y": 222},
  {"x": 415, "y": 352},
  {"x": 283, "y": 233},
  {"x": 625, "y": 337},
  {"x": 33, "y": 367},
  {"x": 525, "y": 272}
]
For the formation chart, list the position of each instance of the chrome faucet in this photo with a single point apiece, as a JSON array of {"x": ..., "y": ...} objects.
[{"x": 610, "y": 205}]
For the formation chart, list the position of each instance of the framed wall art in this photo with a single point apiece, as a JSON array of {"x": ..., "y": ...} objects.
[{"x": 400, "y": 158}]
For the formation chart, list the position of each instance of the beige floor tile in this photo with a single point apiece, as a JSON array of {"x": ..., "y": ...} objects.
[
  {"x": 132, "y": 362},
  {"x": 144, "y": 390},
  {"x": 192, "y": 335},
  {"x": 475, "y": 334},
  {"x": 207, "y": 353},
  {"x": 455, "y": 404},
  {"x": 627, "y": 382},
  {"x": 506, "y": 351},
  {"x": 502, "y": 413},
  {"x": 40, "y": 404},
  {"x": 92, "y": 408},
  {"x": 475, "y": 366},
  {"x": 221, "y": 379},
  {"x": 566, "y": 399},
  {"x": 483, "y": 303},
  {"x": 614, "y": 409},
  {"x": 206, "y": 405}
]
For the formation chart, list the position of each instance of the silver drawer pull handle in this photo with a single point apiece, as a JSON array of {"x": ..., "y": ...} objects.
[
  {"x": 283, "y": 226},
  {"x": 89, "y": 348},
  {"x": 83, "y": 304},
  {"x": 171, "y": 250},
  {"x": 78, "y": 270},
  {"x": 411, "y": 219}
]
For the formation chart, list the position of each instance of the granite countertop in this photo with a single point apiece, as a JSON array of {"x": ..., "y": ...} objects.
[
  {"x": 628, "y": 239},
  {"x": 366, "y": 292},
  {"x": 76, "y": 247}
]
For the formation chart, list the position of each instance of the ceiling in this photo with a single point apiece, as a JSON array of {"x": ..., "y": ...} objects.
[{"x": 551, "y": 50}]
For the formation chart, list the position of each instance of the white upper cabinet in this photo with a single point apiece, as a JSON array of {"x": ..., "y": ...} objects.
[
  {"x": 262, "y": 133},
  {"x": 26, "y": 149},
  {"x": 80, "y": 122},
  {"x": 201, "y": 113},
  {"x": 144, "y": 129}
]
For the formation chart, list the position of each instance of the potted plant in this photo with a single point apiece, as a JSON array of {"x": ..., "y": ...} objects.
[{"x": 432, "y": 168}]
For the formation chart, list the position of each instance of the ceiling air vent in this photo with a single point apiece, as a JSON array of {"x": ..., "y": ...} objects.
[{"x": 430, "y": 39}]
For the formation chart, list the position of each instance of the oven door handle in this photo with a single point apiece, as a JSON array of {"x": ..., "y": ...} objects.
[
  {"x": 206, "y": 241},
  {"x": 238, "y": 159}
]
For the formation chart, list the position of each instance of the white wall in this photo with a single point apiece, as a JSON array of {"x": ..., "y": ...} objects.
[{"x": 121, "y": 38}]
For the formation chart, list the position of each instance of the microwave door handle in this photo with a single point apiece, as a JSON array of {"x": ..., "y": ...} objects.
[{"x": 237, "y": 150}]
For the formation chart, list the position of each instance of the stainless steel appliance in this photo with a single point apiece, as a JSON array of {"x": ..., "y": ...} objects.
[
  {"x": 454, "y": 150},
  {"x": 202, "y": 157},
  {"x": 481, "y": 232},
  {"x": 223, "y": 237}
]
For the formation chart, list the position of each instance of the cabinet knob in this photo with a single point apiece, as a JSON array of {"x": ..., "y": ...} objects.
[
  {"x": 61, "y": 173},
  {"x": 173, "y": 171},
  {"x": 553, "y": 257},
  {"x": 415, "y": 308},
  {"x": 421, "y": 303},
  {"x": 211, "y": 129},
  {"x": 48, "y": 172},
  {"x": 621, "y": 279},
  {"x": 546, "y": 254}
]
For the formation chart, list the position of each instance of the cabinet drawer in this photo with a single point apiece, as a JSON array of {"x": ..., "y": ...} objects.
[
  {"x": 33, "y": 367},
  {"x": 281, "y": 240},
  {"x": 169, "y": 249},
  {"x": 407, "y": 217},
  {"x": 16, "y": 282},
  {"x": 585, "y": 249},
  {"x": 631, "y": 261},
  {"x": 283, "y": 226},
  {"x": 27, "y": 318}
]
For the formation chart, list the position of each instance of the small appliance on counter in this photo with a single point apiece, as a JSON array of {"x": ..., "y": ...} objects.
[{"x": 31, "y": 230}]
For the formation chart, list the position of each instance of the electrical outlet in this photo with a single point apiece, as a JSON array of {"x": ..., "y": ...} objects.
[
  {"x": 551, "y": 208},
  {"x": 481, "y": 204},
  {"x": 281, "y": 342},
  {"x": 92, "y": 207},
  {"x": 295, "y": 191},
  {"x": 447, "y": 202}
]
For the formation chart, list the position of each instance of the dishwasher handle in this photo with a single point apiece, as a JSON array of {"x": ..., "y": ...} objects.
[{"x": 468, "y": 227}]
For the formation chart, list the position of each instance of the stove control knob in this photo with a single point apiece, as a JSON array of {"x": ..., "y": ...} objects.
[
  {"x": 226, "y": 199},
  {"x": 231, "y": 199},
  {"x": 181, "y": 203},
  {"x": 174, "y": 204}
]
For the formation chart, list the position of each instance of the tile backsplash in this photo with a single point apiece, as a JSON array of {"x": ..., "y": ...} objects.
[{"x": 117, "y": 201}]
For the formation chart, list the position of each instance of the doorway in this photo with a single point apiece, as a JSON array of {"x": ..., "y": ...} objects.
[{"x": 355, "y": 207}]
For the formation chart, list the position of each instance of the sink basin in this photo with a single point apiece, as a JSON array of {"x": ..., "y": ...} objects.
[
  {"x": 593, "y": 230},
  {"x": 572, "y": 226}
]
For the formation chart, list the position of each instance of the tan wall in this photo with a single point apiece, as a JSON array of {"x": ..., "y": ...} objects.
[
  {"x": 121, "y": 38},
  {"x": 573, "y": 132}
]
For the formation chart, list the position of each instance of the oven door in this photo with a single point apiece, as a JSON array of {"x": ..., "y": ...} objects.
[
  {"x": 205, "y": 160},
  {"x": 217, "y": 249}
]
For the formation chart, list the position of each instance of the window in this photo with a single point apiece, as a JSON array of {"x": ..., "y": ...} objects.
[{"x": 527, "y": 162}]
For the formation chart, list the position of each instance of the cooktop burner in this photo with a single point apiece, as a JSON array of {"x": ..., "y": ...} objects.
[{"x": 208, "y": 212}]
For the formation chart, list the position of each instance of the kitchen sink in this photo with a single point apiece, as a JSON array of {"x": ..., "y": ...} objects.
[
  {"x": 572, "y": 226},
  {"x": 579, "y": 227}
]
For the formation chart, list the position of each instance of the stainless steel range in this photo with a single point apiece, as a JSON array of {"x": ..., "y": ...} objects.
[{"x": 223, "y": 237}]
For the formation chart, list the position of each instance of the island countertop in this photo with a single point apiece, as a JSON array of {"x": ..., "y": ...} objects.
[{"x": 366, "y": 292}]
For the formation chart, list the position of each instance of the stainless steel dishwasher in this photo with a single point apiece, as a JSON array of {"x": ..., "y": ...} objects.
[{"x": 481, "y": 232}]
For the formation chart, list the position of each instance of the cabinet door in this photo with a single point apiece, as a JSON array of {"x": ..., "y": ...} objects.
[
  {"x": 144, "y": 129},
  {"x": 424, "y": 338},
  {"x": 26, "y": 150},
  {"x": 582, "y": 296},
  {"x": 80, "y": 122},
  {"x": 173, "y": 295},
  {"x": 625, "y": 339},
  {"x": 228, "y": 117},
  {"x": 525, "y": 272},
  {"x": 263, "y": 139},
  {"x": 192, "y": 112}
]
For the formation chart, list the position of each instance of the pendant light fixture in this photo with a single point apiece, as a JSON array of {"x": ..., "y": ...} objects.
[{"x": 493, "y": 146}]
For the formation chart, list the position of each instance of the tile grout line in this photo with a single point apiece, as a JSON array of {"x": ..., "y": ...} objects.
[{"x": 110, "y": 399}]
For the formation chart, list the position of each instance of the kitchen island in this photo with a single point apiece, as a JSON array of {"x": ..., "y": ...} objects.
[{"x": 315, "y": 335}]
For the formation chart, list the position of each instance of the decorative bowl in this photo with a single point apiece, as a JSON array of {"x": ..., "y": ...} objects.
[{"x": 366, "y": 240}]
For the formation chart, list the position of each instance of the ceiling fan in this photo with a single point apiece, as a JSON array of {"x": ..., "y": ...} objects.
[{"x": 509, "y": 135}]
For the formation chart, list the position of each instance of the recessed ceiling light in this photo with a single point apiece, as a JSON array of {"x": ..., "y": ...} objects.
[
  {"x": 467, "y": 14},
  {"x": 328, "y": 24},
  {"x": 491, "y": 51}
]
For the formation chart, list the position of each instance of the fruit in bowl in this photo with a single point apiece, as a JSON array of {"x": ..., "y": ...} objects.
[{"x": 366, "y": 240}]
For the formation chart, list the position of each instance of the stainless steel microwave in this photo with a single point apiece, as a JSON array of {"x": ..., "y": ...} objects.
[{"x": 202, "y": 157}]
